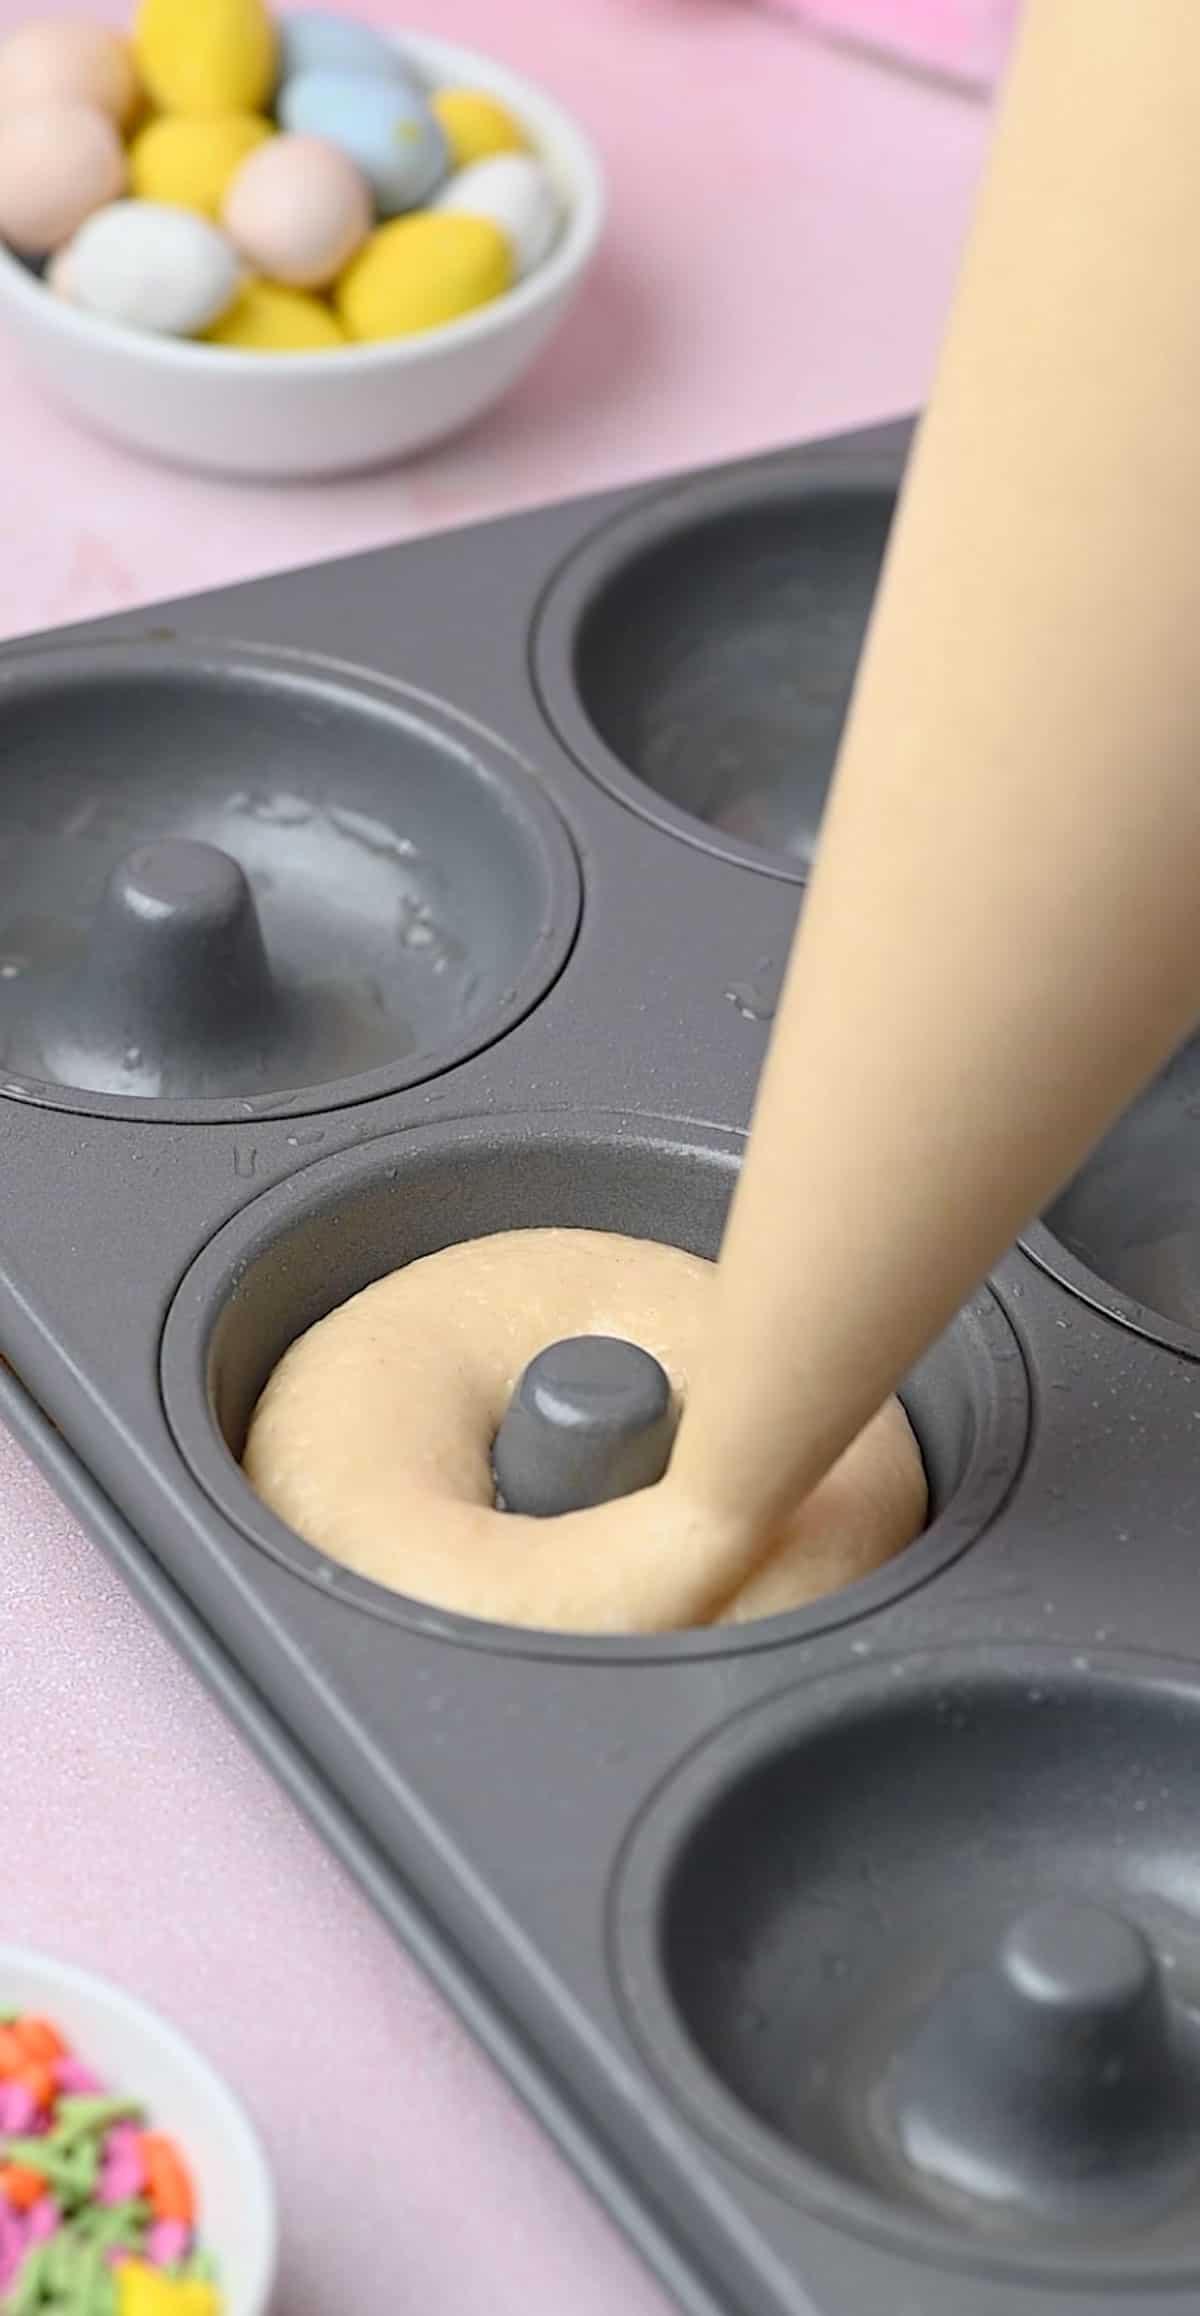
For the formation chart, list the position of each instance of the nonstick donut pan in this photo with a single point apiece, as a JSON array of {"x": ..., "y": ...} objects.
[{"x": 853, "y": 1956}]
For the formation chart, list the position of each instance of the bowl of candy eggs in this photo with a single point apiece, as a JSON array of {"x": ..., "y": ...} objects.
[
  {"x": 280, "y": 246},
  {"x": 131, "y": 2181}
]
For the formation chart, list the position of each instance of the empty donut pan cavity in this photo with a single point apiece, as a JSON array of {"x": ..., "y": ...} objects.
[
  {"x": 885, "y": 1950},
  {"x": 920, "y": 1946},
  {"x": 1125, "y": 1233},
  {"x": 697, "y": 658},
  {"x": 232, "y": 876}
]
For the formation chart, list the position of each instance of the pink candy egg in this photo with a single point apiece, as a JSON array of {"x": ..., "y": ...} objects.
[
  {"x": 58, "y": 163},
  {"x": 68, "y": 61},
  {"x": 298, "y": 210}
]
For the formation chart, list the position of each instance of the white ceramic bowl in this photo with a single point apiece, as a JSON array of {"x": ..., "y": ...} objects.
[
  {"x": 135, "y": 2052},
  {"x": 287, "y": 416}
]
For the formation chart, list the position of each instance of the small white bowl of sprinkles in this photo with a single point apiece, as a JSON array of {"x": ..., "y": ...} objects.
[
  {"x": 281, "y": 246},
  {"x": 131, "y": 2181}
]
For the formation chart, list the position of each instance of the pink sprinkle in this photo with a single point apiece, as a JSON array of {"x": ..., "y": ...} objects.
[
  {"x": 119, "y": 2182},
  {"x": 168, "y": 2241},
  {"x": 122, "y": 2174},
  {"x": 71, "y": 2075},
  {"x": 18, "y": 2108},
  {"x": 44, "y": 2220},
  {"x": 14, "y": 2242}
]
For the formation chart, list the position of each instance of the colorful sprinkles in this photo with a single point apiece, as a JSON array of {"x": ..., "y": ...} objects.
[{"x": 97, "y": 2210}]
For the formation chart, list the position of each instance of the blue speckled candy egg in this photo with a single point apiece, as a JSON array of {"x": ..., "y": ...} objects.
[
  {"x": 313, "y": 40},
  {"x": 383, "y": 125}
]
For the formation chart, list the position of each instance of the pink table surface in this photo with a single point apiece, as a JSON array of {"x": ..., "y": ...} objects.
[{"x": 786, "y": 221}]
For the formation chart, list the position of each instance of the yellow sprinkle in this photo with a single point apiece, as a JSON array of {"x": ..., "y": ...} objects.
[
  {"x": 206, "y": 56},
  {"x": 421, "y": 271},
  {"x": 146, "y": 2291},
  {"x": 191, "y": 162},
  {"x": 266, "y": 318},
  {"x": 476, "y": 124}
]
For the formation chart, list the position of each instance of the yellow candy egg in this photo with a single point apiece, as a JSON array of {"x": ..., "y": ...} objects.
[
  {"x": 266, "y": 318},
  {"x": 421, "y": 271},
  {"x": 206, "y": 56},
  {"x": 192, "y": 162},
  {"x": 475, "y": 124}
]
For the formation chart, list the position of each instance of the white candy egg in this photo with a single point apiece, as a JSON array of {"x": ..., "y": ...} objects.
[
  {"x": 517, "y": 194},
  {"x": 153, "y": 268}
]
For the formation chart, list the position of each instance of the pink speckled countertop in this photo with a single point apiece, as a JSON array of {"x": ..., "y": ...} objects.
[{"x": 138, "y": 1834}]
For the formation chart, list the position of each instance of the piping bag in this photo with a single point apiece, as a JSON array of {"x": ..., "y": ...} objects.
[{"x": 1001, "y": 940}]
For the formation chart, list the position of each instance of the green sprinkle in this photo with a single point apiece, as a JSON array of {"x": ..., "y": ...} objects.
[
  {"x": 78, "y": 2117},
  {"x": 61, "y": 2260},
  {"x": 114, "y": 2227},
  {"x": 28, "y": 2294},
  {"x": 72, "y": 2172},
  {"x": 68, "y": 2276},
  {"x": 82, "y": 2298}
]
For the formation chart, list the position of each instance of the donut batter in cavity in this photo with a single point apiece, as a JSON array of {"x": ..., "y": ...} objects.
[{"x": 373, "y": 1441}]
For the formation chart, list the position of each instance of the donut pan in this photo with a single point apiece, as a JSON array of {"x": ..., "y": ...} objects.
[{"x": 854, "y": 1956}]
